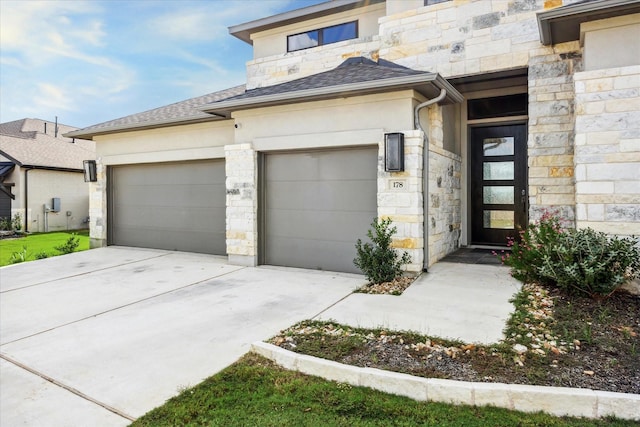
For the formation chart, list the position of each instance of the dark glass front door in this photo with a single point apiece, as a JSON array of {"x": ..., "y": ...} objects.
[{"x": 498, "y": 183}]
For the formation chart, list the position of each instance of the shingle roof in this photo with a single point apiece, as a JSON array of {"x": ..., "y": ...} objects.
[
  {"x": 180, "y": 112},
  {"x": 355, "y": 76},
  {"x": 353, "y": 70},
  {"x": 26, "y": 144}
]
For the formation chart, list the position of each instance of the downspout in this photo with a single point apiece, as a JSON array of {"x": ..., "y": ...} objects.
[{"x": 425, "y": 171}]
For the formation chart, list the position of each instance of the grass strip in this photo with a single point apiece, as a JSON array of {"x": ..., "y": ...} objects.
[{"x": 256, "y": 392}]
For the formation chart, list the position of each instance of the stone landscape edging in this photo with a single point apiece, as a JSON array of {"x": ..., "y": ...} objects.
[{"x": 559, "y": 401}]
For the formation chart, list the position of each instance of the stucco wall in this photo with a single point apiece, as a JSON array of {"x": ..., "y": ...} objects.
[
  {"x": 389, "y": 111},
  {"x": 74, "y": 198},
  {"x": 611, "y": 43}
]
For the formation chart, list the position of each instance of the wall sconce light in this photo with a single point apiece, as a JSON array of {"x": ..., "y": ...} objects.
[
  {"x": 394, "y": 152},
  {"x": 90, "y": 171}
]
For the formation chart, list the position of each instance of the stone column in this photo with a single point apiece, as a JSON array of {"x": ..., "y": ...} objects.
[
  {"x": 400, "y": 198},
  {"x": 551, "y": 130},
  {"x": 98, "y": 208},
  {"x": 242, "y": 204}
]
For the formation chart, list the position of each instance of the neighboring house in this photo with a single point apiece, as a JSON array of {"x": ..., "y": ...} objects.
[
  {"x": 37, "y": 165},
  {"x": 507, "y": 108}
]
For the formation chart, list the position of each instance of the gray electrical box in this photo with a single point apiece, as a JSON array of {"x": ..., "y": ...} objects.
[{"x": 55, "y": 204}]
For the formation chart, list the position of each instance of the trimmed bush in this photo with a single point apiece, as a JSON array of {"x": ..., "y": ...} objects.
[
  {"x": 378, "y": 260},
  {"x": 584, "y": 261}
]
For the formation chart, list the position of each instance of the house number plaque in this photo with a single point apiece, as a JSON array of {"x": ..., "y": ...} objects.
[{"x": 398, "y": 185}]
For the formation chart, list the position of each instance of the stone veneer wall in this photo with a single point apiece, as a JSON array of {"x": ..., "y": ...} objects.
[
  {"x": 551, "y": 130},
  {"x": 607, "y": 144},
  {"x": 98, "y": 208},
  {"x": 242, "y": 204},
  {"x": 295, "y": 65},
  {"x": 400, "y": 198},
  {"x": 444, "y": 214}
]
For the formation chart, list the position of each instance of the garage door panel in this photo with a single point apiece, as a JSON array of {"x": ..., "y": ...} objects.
[
  {"x": 322, "y": 165},
  {"x": 171, "y": 195},
  {"x": 317, "y": 204},
  {"x": 314, "y": 254},
  {"x": 312, "y": 195},
  {"x": 170, "y": 173},
  {"x": 327, "y": 225},
  {"x": 174, "y": 206},
  {"x": 181, "y": 240}
]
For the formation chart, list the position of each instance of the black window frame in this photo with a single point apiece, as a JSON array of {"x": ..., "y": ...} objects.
[{"x": 321, "y": 35}]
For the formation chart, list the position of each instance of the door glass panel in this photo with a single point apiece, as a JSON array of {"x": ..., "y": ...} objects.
[
  {"x": 499, "y": 219},
  {"x": 498, "y": 146},
  {"x": 502, "y": 195},
  {"x": 497, "y": 170}
]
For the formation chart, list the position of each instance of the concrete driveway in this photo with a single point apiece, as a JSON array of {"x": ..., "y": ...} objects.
[{"x": 101, "y": 337}]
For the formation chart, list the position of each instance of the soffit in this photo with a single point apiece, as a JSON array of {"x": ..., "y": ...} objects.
[{"x": 563, "y": 24}]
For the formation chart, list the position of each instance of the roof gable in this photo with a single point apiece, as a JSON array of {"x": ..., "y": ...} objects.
[
  {"x": 355, "y": 76},
  {"x": 26, "y": 143}
]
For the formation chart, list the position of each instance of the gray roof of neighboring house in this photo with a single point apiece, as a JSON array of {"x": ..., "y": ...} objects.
[
  {"x": 182, "y": 112},
  {"x": 25, "y": 143},
  {"x": 355, "y": 76}
]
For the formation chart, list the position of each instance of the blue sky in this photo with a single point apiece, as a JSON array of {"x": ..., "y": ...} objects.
[{"x": 87, "y": 62}]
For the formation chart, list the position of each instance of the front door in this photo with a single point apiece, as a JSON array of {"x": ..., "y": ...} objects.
[{"x": 498, "y": 183}]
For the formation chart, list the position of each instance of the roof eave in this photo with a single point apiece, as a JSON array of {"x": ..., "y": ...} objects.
[
  {"x": 428, "y": 85},
  {"x": 152, "y": 124},
  {"x": 244, "y": 31},
  {"x": 568, "y": 18}
]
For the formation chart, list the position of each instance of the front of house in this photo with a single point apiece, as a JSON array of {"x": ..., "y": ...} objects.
[{"x": 462, "y": 121}]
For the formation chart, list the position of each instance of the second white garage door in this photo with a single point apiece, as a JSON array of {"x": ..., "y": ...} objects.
[
  {"x": 174, "y": 206},
  {"x": 316, "y": 205}
]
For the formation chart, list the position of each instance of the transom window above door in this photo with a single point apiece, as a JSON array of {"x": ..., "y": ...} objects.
[{"x": 322, "y": 36}]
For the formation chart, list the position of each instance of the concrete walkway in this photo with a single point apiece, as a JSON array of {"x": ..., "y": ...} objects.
[
  {"x": 103, "y": 336},
  {"x": 469, "y": 302}
]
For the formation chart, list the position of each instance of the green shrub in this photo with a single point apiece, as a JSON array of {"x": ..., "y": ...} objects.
[
  {"x": 528, "y": 254},
  {"x": 69, "y": 246},
  {"x": 378, "y": 260},
  {"x": 5, "y": 223},
  {"x": 16, "y": 223},
  {"x": 589, "y": 262},
  {"x": 41, "y": 255},
  {"x": 581, "y": 261},
  {"x": 19, "y": 256}
]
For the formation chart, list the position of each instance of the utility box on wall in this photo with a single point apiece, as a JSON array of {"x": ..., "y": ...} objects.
[{"x": 55, "y": 204}]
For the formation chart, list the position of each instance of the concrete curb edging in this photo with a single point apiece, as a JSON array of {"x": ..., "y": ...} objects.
[{"x": 557, "y": 401}]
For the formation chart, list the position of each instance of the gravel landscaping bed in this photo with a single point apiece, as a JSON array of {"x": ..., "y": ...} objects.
[{"x": 551, "y": 340}]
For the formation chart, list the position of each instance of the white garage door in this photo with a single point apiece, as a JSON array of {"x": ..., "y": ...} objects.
[
  {"x": 316, "y": 205},
  {"x": 174, "y": 206}
]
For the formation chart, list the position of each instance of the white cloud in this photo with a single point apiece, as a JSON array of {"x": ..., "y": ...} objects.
[{"x": 99, "y": 60}]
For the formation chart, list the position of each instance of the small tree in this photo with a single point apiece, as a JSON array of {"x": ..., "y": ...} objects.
[{"x": 378, "y": 260}]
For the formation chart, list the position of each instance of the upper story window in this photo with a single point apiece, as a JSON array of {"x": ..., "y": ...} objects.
[
  {"x": 430, "y": 2},
  {"x": 322, "y": 36}
]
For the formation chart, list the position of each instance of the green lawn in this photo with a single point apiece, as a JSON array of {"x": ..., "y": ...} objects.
[
  {"x": 255, "y": 392},
  {"x": 39, "y": 243}
]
